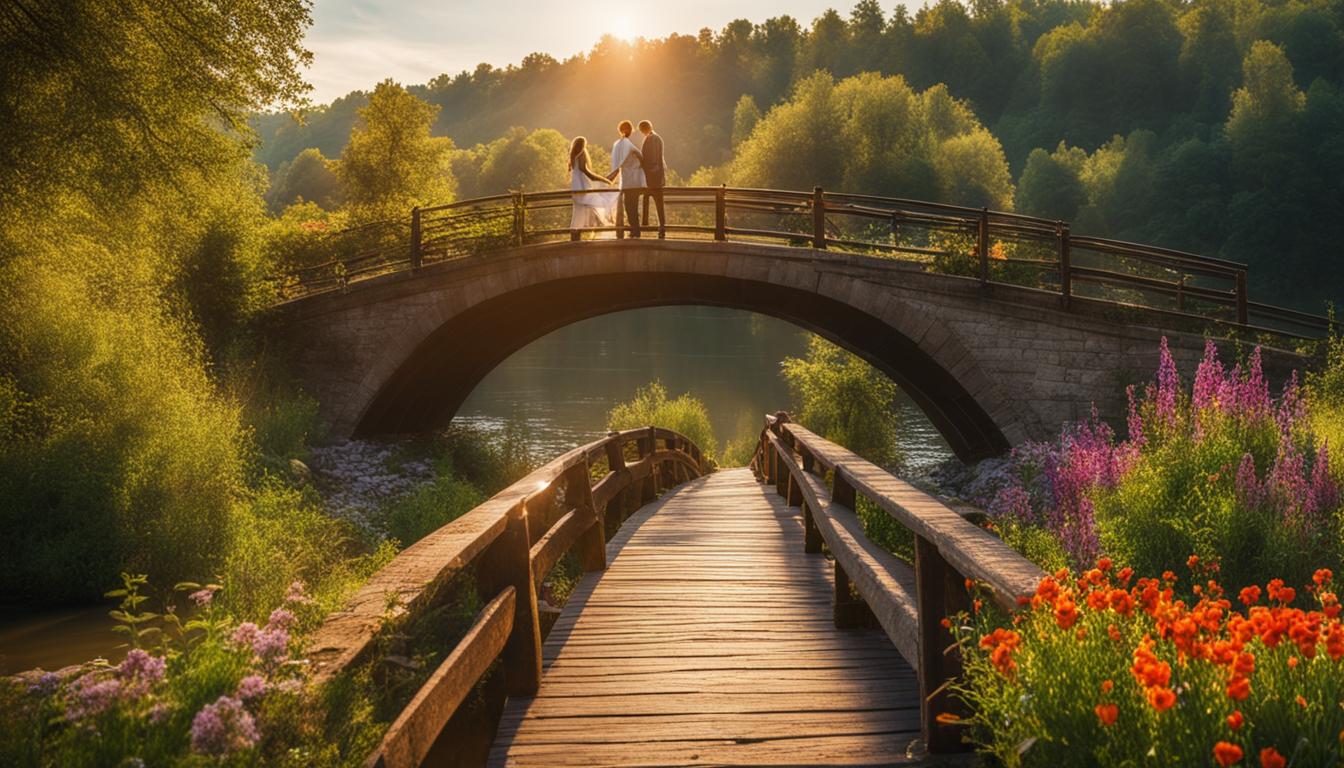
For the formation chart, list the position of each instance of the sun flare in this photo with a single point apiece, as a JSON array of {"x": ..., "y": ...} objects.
[{"x": 622, "y": 27}]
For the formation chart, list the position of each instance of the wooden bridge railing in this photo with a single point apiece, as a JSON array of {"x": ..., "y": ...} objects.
[
  {"x": 909, "y": 603},
  {"x": 512, "y": 541},
  {"x": 991, "y": 247}
]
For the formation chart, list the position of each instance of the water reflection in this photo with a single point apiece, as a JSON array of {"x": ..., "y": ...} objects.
[{"x": 560, "y": 387}]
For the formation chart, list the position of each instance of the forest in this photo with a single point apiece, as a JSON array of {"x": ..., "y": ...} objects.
[{"x": 1210, "y": 126}]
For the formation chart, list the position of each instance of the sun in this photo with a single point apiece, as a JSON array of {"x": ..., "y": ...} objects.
[{"x": 621, "y": 27}]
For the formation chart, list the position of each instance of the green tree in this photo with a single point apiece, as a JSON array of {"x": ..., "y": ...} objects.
[
  {"x": 1050, "y": 186},
  {"x": 844, "y": 399},
  {"x": 392, "y": 163},
  {"x": 1265, "y": 111},
  {"x": 308, "y": 178},
  {"x": 745, "y": 117}
]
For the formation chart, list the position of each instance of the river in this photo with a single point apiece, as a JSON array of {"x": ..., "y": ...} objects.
[{"x": 560, "y": 388}]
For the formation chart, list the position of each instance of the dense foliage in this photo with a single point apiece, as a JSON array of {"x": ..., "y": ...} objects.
[
  {"x": 1105, "y": 669},
  {"x": 651, "y": 407},
  {"x": 1209, "y": 126},
  {"x": 845, "y": 400},
  {"x": 1222, "y": 470}
]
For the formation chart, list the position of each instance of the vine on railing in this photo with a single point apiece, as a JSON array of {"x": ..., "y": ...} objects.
[{"x": 992, "y": 247}]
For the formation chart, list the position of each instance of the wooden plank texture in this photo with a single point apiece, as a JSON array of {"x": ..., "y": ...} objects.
[{"x": 708, "y": 641}]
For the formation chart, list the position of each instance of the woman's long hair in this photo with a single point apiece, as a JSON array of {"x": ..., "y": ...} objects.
[{"x": 579, "y": 147}]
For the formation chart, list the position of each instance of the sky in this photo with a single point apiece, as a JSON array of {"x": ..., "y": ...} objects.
[{"x": 356, "y": 43}]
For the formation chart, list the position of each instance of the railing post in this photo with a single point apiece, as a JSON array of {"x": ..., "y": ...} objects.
[
  {"x": 649, "y": 488},
  {"x": 938, "y": 594},
  {"x": 519, "y": 218},
  {"x": 982, "y": 245},
  {"x": 620, "y": 215},
  {"x": 416, "y": 254},
  {"x": 592, "y": 545},
  {"x": 1243, "y": 313},
  {"x": 818, "y": 219},
  {"x": 508, "y": 563},
  {"x": 616, "y": 506},
  {"x": 721, "y": 213},
  {"x": 847, "y": 611},
  {"x": 1065, "y": 265}
]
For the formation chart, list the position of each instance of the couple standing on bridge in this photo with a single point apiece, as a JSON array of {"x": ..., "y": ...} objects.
[{"x": 638, "y": 161}]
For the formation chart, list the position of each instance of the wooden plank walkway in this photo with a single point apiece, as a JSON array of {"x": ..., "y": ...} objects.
[{"x": 709, "y": 641}]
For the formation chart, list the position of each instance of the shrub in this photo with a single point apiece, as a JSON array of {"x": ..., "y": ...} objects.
[
  {"x": 651, "y": 407},
  {"x": 1223, "y": 470},
  {"x": 1101, "y": 671},
  {"x": 845, "y": 400},
  {"x": 431, "y": 507}
]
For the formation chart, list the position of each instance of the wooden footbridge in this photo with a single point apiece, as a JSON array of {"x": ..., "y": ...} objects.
[{"x": 740, "y": 617}]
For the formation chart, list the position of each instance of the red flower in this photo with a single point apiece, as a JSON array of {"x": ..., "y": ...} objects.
[
  {"x": 1104, "y": 564},
  {"x": 1107, "y": 713},
  {"x": 1066, "y": 613},
  {"x": 1106, "y": 686},
  {"x": 1322, "y": 577},
  {"x": 1226, "y": 753},
  {"x": 1250, "y": 595},
  {"x": 1161, "y": 698},
  {"x": 1270, "y": 758},
  {"x": 1239, "y": 688},
  {"x": 1235, "y": 720},
  {"x": 1192, "y": 561}
]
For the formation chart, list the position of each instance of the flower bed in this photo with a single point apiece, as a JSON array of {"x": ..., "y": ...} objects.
[{"x": 1104, "y": 669}]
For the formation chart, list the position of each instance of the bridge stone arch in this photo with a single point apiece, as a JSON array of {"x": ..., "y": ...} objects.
[{"x": 990, "y": 366}]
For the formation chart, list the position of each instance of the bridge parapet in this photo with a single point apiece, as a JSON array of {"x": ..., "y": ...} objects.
[
  {"x": 993, "y": 247},
  {"x": 910, "y": 603},
  {"x": 512, "y": 541}
]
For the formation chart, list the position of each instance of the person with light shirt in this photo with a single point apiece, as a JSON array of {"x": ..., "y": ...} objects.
[{"x": 625, "y": 162}]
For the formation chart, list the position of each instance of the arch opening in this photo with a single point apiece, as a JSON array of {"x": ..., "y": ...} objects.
[{"x": 429, "y": 387}]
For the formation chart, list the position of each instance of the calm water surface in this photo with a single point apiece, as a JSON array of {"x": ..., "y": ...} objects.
[{"x": 559, "y": 389}]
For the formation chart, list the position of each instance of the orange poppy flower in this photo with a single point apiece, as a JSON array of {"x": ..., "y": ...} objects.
[
  {"x": 1239, "y": 688},
  {"x": 1107, "y": 713},
  {"x": 1227, "y": 753},
  {"x": 1106, "y": 686},
  {"x": 1270, "y": 758},
  {"x": 1161, "y": 698},
  {"x": 1235, "y": 720}
]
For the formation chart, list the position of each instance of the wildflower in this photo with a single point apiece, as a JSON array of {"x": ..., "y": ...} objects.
[
  {"x": 271, "y": 644},
  {"x": 1250, "y": 493},
  {"x": 1066, "y": 613},
  {"x": 1292, "y": 662},
  {"x": 1107, "y": 713},
  {"x": 202, "y": 597},
  {"x": 1270, "y": 758},
  {"x": 1192, "y": 561},
  {"x": 245, "y": 634},
  {"x": 1227, "y": 753},
  {"x": 251, "y": 687},
  {"x": 1236, "y": 720},
  {"x": 1161, "y": 698},
  {"x": 141, "y": 670},
  {"x": 92, "y": 696},
  {"x": 1250, "y": 595},
  {"x": 1322, "y": 577},
  {"x": 297, "y": 594},
  {"x": 1168, "y": 385},
  {"x": 1106, "y": 686},
  {"x": 1301, "y": 701},
  {"x": 223, "y": 728},
  {"x": 281, "y": 618},
  {"x": 1239, "y": 688},
  {"x": 45, "y": 685}
]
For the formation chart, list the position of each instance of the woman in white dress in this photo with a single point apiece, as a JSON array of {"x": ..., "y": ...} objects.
[{"x": 591, "y": 208}]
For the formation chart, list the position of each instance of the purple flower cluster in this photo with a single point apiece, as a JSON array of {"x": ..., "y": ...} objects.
[
  {"x": 222, "y": 728},
  {"x": 140, "y": 672},
  {"x": 251, "y": 687},
  {"x": 91, "y": 695}
]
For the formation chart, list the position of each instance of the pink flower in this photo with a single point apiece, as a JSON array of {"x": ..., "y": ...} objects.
[
  {"x": 251, "y": 687},
  {"x": 281, "y": 618},
  {"x": 140, "y": 671},
  {"x": 202, "y": 597},
  {"x": 297, "y": 594},
  {"x": 245, "y": 634},
  {"x": 92, "y": 696},
  {"x": 271, "y": 644},
  {"x": 1168, "y": 386},
  {"x": 223, "y": 728}
]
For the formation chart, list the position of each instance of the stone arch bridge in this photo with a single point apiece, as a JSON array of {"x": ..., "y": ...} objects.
[{"x": 999, "y": 326}]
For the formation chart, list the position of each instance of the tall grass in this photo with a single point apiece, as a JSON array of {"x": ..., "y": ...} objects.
[{"x": 652, "y": 407}]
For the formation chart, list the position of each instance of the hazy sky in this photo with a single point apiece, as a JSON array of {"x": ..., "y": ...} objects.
[{"x": 356, "y": 43}]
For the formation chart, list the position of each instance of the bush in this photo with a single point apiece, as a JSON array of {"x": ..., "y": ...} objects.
[
  {"x": 651, "y": 408},
  {"x": 431, "y": 507},
  {"x": 845, "y": 400},
  {"x": 1101, "y": 672},
  {"x": 1223, "y": 470}
]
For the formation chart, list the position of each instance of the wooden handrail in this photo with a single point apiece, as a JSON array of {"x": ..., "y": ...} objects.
[
  {"x": 908, "y": 600},
  {"x": 512, "y": 544},
  {"x": 816, "y": 219}
]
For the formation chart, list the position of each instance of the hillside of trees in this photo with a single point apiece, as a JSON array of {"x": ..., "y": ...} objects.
[{"x": 1211, "y": 126}]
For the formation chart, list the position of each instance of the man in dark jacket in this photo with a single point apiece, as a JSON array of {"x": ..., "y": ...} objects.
[{"x": 655, "y": 175}]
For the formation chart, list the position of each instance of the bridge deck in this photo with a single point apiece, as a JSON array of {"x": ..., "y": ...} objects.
[{"x": 709, "y": 640}]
